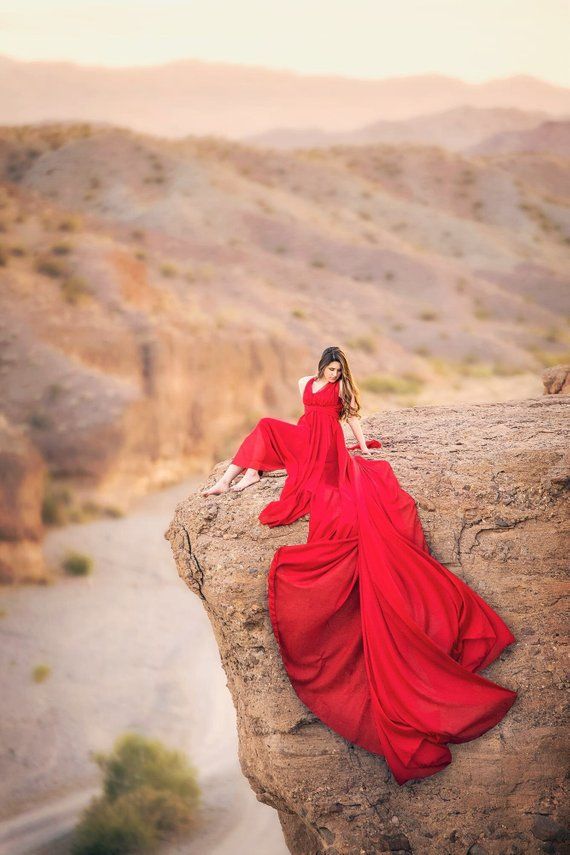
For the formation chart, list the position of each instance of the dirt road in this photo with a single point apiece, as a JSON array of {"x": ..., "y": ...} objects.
[{"x": 130, "y": 648}]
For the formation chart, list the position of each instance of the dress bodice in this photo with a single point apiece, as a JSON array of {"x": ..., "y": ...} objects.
[{"x": 325, "y": 401}]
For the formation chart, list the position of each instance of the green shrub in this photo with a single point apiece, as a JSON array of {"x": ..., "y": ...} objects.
[
  {"x": 77, "y": 564},
  {"x": 150, "y": 794}
]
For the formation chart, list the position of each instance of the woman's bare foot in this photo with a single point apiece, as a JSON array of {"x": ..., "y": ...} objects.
[
  {"x": 221, "y": 486},
  {"x": 248, "y": 479}
]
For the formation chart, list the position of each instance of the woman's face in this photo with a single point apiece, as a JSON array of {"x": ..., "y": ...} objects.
[{"x": 332, "y": 372}]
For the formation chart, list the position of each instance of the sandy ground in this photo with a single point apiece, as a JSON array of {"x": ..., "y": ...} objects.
[{"x": 130, "y": 648}]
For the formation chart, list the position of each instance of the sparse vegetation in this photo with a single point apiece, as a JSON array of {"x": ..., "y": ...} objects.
[
  {"x": 364, "y": 342},
  {"x": 428, "y": 315},
  {"x": 391, "y": 384},
  {"x": 62, "y": 248},
  {"x": 56, "y": 503},
  {"x": 60, "y": 508},
  {"x": 422, "y": 350},
  {"x": 547, "y": 358},
  {"x": 50, "y": 267},
  {"x": 40, "y": 673},
  {"x": 39, "y": 420},
  {"x": 69, "y": 224},
  {"x": 77, "y": 564},
  {"x": 317, "y": 262},
  {"x": 299, "y": 313},
  {"x": 168, "y": 270},
  {"x": 73, "y": 289},
  {"x": 481, "y": 312},
  {"x": 150, "y": 795}
]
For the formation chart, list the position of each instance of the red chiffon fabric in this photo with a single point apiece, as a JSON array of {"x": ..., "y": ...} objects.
[{"x": 379, "y": 640}]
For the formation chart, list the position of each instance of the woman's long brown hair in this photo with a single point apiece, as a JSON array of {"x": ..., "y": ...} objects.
[{"x": 349, "y": 387}]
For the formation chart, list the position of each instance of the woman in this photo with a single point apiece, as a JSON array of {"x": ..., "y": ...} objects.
[{"x": 379, "y": 640}]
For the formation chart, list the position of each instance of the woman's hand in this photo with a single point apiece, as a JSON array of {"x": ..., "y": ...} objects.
[{"x": 366, "y": 451}]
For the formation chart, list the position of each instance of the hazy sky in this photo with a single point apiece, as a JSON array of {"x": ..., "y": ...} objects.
[{"x": 471, "y": 39}]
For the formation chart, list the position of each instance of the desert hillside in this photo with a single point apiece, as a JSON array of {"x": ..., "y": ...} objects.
[{"x": 158, "y": 297}]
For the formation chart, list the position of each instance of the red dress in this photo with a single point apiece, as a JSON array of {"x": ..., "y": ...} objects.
[{"x": 379, "y": 640}]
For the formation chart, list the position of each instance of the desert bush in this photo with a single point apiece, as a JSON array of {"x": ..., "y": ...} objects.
[
  {"x": 56, "y": 503},
  {"x": 73, "y": 288},
  {"x": 50, "y": 267},
  {"x": 299, "y": 313},
  {"x": 40, "y": 673},
  {"x": 318, "y": 262},
  {"x": 39, "y": 420},
  {"x": 168, "y": 270},
  {"x": 150, "y": 794},
  {"x": 364, "y": 342},
  {"x": 77, "y": 564},
  {"x": 480, "y": 311},
  {"x": 3, "y": 257},
  {"x": 69, "y": 224},
  {"x": 63, "y": 248},
  {"x": 428, "y": 315}
]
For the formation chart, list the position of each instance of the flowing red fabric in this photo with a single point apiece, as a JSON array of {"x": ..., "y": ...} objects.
[{"x": 379, "y": 640}]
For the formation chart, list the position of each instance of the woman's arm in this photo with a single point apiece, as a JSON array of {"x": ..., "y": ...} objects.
[
  {"x": 354, "y": 423},
  {"x": 302, "y": 383}
]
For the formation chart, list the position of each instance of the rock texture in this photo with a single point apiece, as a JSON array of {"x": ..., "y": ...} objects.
[
  {"x": 490, "y": 481},
  {"x": 22, "y": 473},
  {"x": 557, "y": 380}
]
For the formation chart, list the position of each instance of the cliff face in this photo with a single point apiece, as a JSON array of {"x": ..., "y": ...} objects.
[
  {"x": 22, "y": 473},
  {"x": 489, "y": 480}
]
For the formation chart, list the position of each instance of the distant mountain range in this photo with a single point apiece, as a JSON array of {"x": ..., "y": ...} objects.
[
  {"x": 458, "y": 129},
  {"x": 195, "y": 97}
]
